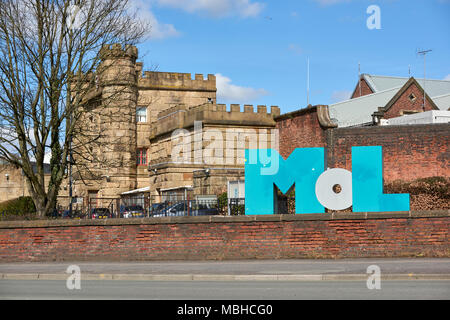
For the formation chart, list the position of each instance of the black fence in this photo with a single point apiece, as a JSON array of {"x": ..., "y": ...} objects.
[
  {"x": 179, "y": 208},
  {"x": 95, "y": 208},
  {"x": 173, "y": 206},
  {"x": 286, "y": 204},
  {"x": 236, "y": 206},
  {"x": 137, "y": 207}
]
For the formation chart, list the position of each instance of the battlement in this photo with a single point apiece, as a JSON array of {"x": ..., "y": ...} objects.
[
  {"x": 175, "y": 81},
  {"x": 235, "y": 109},
  {"x": 181, "y": 116},
  {"x": 116, "y": 50}
]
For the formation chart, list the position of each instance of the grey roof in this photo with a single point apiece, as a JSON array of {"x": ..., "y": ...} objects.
[
  {"x": 33, "y": 166},
  {"x": 358, "y": 111},
  {"x": 382, "y": 83},
  {"x": 433, "y": 87},
  {"x": 443, "y": 102}
]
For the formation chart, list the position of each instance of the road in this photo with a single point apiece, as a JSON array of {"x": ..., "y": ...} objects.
[
  {"x": 408, "y": 278},
  {"x": 225, "y": 290}
]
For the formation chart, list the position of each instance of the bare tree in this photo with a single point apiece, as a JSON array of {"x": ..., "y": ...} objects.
[{"x": 49, "y": 51}]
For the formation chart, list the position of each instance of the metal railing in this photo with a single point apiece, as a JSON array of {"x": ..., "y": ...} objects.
[
  {"x": 174, "y": 206},
  {"x": 138, "y": 207},
  {"x": 178, "y": 208},
  {"x": 236, "y": 206},
  {"x": 147, "y": 207}
]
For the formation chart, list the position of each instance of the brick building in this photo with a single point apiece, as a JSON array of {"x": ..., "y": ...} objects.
[{"x": 410, "y": 151}]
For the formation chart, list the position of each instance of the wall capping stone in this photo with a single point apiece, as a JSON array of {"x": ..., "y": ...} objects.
[{"x": 225, "y": 219}]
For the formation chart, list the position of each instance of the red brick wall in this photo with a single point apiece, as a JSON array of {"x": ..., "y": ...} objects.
[
  {"x": 300, "y": 236},
  {"x": 300, "y": 129},
  {"x": 365, "y": 89},
  {"x": 409, "y": 152},
  {"x": 404, "y": 103}
]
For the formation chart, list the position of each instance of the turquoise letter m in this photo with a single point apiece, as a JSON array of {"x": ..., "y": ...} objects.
[{"x": 302, "y": 168}]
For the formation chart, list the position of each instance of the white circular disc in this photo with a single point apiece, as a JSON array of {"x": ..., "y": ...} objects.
[{"x": 324, "y": 189}]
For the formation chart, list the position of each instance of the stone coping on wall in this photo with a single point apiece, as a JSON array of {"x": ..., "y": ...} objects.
[{"x": 225, "y": 219}]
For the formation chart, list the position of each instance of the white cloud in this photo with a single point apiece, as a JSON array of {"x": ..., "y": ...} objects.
[
  {"x": 217, "y": 8},
  {"x": 447, "y": 78},
  {"x": 338, "y": 96},
  {"x": 228, "y": 92},
  {"x": 158, "y": 30}
]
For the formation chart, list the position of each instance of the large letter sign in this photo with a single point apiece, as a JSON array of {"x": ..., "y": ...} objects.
[
  {"x": 362, "y": 188},
  {"x": 302, "y": 168}
]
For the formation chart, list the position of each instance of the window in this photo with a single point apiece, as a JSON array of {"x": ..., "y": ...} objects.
[
  {"x": 412, "y": 97},
  {"x": 141, "y": 157},
  {"x": 141, "y": 114}
]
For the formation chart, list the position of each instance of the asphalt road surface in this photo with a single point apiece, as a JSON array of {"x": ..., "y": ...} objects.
[{"x": 226, "y": 290}]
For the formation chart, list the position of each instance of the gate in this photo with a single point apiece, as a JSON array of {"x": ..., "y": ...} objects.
[{"x": 107, "y": 205}]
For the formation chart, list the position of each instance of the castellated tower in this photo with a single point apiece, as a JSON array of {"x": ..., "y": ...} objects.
[
  {"x": 108, "y": 164},
  {"x": 113, "y": 146}
]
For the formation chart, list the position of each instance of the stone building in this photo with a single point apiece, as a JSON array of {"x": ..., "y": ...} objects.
[
  {"x": 13, "y": 183},
  {"x": 136, "y": 113},
  {"x": 202, "y": 148}
]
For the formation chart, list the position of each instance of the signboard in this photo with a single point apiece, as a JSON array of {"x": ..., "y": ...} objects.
[
  {"x": 315, "y": 187},
  {"x": 236, "y": 189}
]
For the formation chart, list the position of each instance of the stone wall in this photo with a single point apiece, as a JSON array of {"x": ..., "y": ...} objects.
[
  {"x": 159, "y": 91},
  {"x": 350, "y": 235},
  {"x": 108, "y": 163},
  {"x": 13, "y": 184},
  {"x": 216, "y": 180}
]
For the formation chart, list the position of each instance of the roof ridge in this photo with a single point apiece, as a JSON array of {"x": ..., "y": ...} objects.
[
  {"x": 367, "y": 95},
  {"x": 370, "y": 83},
  {"x": 398, "y": 77}
]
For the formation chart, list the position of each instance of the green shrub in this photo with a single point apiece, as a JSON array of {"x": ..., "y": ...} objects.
[
  {"x": 436, "y": 186},
  {"x": 431, "y": 193},
  {"x": 22, "y": 207},
  {"x": 222, "y": 203}
]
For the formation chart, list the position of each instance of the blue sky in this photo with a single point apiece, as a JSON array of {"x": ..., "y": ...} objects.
[{"x": 259, "y": 48}]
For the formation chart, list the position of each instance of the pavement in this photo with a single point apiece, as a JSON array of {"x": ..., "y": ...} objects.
[
  {"x": 398, "y": 269},
  {"x": 223, "y": 292}
]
